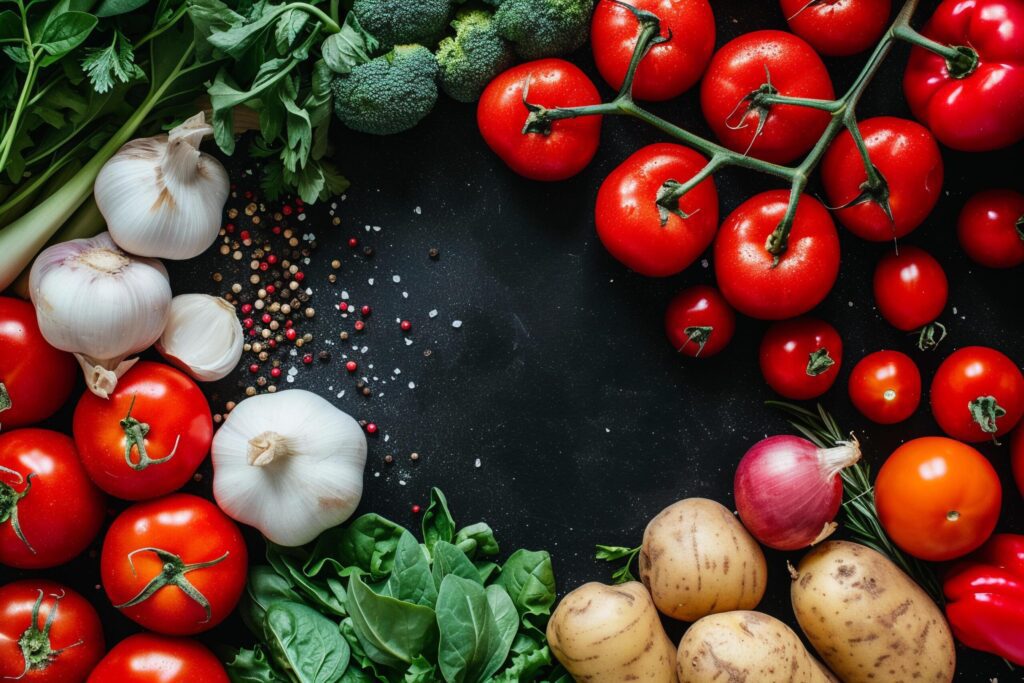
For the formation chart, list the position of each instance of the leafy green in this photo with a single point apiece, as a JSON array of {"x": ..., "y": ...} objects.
[
  {"x": 367, "y": 545},
  {"x": 530, "y": 581},
  {"x": 305, "y": 644},
  {"x": 437, "y": 523},
  {"x": 349, "y": 47},
  {"x": 252, "y": 666},
  {"x": 611, "y": 553},
  {"x": 392, "y": 632},
  {"x": 476, "y": 538},
  {"x": 116, "y": 61},
  {"x": 471, "y": 646},
  {"x": 450, "y": 560},
  {"x": 410, "y": 579}
]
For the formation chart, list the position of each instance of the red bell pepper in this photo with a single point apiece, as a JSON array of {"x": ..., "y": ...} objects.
[{"x": 985, "y": 598}]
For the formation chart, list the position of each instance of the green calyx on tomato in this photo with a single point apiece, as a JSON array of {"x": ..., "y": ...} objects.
[
  {"x": 1019, "y": 226},
  {"x": 818, "y": 362},
  {"x": 35, "y": 643},
  {"x": 172, "y": 574},
  {"x": 9, "y": 499},
  {"x": 758, "y": 105},
  {"x": 135, "y": 439},
  {"x": 985, "y": 410},
  {"x": 699, "y": 335},
  {"x": 5, "y": 398},
  {"x": 669, "y": 194},
  {"x": 930, "y": 336},
  {"x": 874, "y": 189}
]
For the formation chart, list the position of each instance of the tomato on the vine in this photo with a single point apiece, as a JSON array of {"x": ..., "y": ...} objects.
[
  {"x": 148, "y": 437},
  {"x": 669, "y": 68},
  {"x": 885, "y": 386},
  {"x": 1017, "y": 458},
  {"x": 149, "y": 658},
  {"x": 699, "y": 322},
  {"x": 175, "y": 565},
  {"x": 991, "y": 228},
  {"x": 937, "y": 498},
  {"x": 48, "y": 633},
  {"x": 801, "y": 358},
  {"x": 977, "y": 109},
  {"x": 35, "y": 378},
  {"x": 910, "y": 292},
  {"x": 552, "y": 151},
  {"x": 747, "y": 273},
  {"x": 49, "y": 509},
  {"x": 644, "y": 228},
  {"x": 977, "y": 394},
  {"x": 838, "y": 28},
  {"x": 781, "y": 132},
  {"x": 910, "y": 163}
]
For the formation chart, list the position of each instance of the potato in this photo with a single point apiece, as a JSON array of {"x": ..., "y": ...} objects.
[
  {"x": 697, "y": 559},
  {"x": 868, "y": 620},
  {"x": 610, "y": 634},
  {"x": 746, "y": 646}
]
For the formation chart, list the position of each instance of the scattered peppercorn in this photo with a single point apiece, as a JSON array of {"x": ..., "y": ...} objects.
[
  {"x": 368, "y": 251},
  {"x": 416, "y": 509},
  {"x": 324, "y": 356},
  {"x": 414, "y": 456},
  {"x": 351, "y": 366},
  {"x": 434, "y": 253},
  {"x": 371, "y": 428},
  {"x": 405, "y": 325}
]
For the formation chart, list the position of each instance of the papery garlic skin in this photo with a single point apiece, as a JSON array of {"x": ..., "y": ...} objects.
[
  {"x": 161, "y": 196},
  {"x": 101, "y": 304},
  {"x": 289, "y": 464},
  {"x": 203, "y": 336}
]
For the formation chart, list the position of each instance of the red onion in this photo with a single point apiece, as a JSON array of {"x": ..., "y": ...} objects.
[{"x": 788, "y": 492}]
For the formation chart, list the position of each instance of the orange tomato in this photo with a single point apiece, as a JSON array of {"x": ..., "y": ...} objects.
[{"x": 938, "y": 498}]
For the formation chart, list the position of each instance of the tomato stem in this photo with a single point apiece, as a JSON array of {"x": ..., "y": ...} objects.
[
  {"x": 672, "y": 190},
  {"x": 5, "y": 397},
  {"x": 961, "y": 60},
  {"x": 135, "y": 438},
  {"x": 36, "y": 648},
  {"x": 698, "y": 334},
  {"x": 172, "y": 574},
  {"x": 818, "y": 362},
  {"x": 9, "y": 499},
  {"x": 930, "y": 336}
]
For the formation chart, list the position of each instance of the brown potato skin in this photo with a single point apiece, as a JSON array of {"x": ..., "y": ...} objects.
[
  {"x": 746, "y": 646},
  {"x": 611, "y": 634},
  {"x": 697, "y": 559},
  {"x": 868, "y": 620}
]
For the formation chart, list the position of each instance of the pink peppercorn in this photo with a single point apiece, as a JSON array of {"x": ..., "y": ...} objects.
[
  {"x": 246, "y": 308},
  {"x": 353, "y": 243},
  {"x": 307, "y": 359},
  {"x": 275, "y": 372},
  {"x": 351, "y": 366},
  {"x": 366, "y": 311},
  {"x": 359, "y": 325},
  {"x": 406, "y": 326},
  {"x": 290, "y": 334},
  {"x": 254, "y": 368},
  {"x": 371, "y": 428}
]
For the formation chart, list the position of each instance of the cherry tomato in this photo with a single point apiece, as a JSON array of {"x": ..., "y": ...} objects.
[
  {"x": 911, "y": 290},
  {"x": 805, "y": 272},
  {"x": 838, "y": 28},
  {"x": 991, "y": 228},
  {"x": 48, "y": 633},
  {"x": 148, "y": 437},
  {"x": 885, "y": 386},
  {"x": 801, "y": 358},
  {"x": 1017, "y": 458},
  {"x": 738, "y": 69},
  {"x": 50, "y": 510},
  {"x": 555, "y": 154},
  {"x": 982, "y": 109},
  {"x": 909, "y": 161},
  {"x": 35, "y": 378},
  {"x": 977, "y": 394},
  {"x": 699, "y": 322},
  {"x": 937, "y": 498},
  {"x": 669, "y": 68},
  {"x": 185, "y": 548},
  {"x": 149, "y": 658},
  {"x": 650, "y": 237}
]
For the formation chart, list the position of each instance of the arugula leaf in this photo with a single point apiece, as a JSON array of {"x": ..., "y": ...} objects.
[
  {"x": 450, "y": 560},
  {"x": 437, "y": 524},
  {"x": 350, "y": 47},
  {"x": 392, "y": 632},
  {"x": 117, "y": 60},
  {"x": 530, "y": 581},
  {"x": 470, "y": 639},
  {"x": 110, "y": 8},
  {"x": 305, "y": 643},
  {"x": 420, "y": 671},
  {"x": 252, "y": 666},
  {"x": 64, "y": 34},
  {"x": 410, "y": 578},
  {"x": 525, "y": 666}
]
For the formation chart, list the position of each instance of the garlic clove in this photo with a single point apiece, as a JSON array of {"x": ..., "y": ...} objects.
[
  {"x": 98, "y": 378},
  {"x": 203, "y": 336}
]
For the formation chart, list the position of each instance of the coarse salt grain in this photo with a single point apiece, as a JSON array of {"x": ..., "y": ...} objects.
[
  {"x": 456, "y": 324},
  {"x": 433, "y": 313},
  {"x": 412, "y": 385},
  {"x": 396, "y": 278}
]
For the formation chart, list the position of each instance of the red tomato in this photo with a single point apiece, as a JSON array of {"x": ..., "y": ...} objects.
[
  {"x": 50, "y": 511},
  {"x": 699, "y": 322},
  {"x": 149, "y": 658},
  {"x": 991, "y": 228},
  {"x": 738, "y": 69},
  {"x": 644, "y": 235},
  {"x": 48, "y": 633},
  {"x": 668, "y": 69},
  {"x": 801, "y": 358},
  {"x": 910, "y": 290},
  {"x": 804, "y": 274},
  {"x": 977, "y": 394},
  {"x": 148, "y": 437},
  {"x": 35, "y": 378},
  {"x": 982, "y": 110},
  {"x": 838, "y": 28},
  {"x": 1017, "y": 458},
  {"x": 557, "y": 154},
  {"x": 906, "y": 156},
  {"x": 938, "y": 498},
  {"x": 885, "y": 387},
  {"x": 187, "y": 549}
]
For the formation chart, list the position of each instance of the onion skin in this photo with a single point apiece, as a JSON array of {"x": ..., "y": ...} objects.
[{"x": 787, "y": 490}]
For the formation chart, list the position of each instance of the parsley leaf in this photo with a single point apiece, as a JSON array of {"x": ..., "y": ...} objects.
[{"x": 116, "y": 61}]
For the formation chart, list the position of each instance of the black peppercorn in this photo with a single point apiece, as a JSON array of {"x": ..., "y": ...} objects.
[{"x": 434, "y": 253}]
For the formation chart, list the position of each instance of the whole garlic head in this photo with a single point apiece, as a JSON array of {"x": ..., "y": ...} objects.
[{"x": 202, "y": 337}]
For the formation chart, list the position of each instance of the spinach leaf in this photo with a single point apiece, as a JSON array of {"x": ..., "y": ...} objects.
[
  {"x": 449, "y": 560},
  {"x": 525, "y": 667},
  {"x": 476, "y": 538},
  {"x": 321, "y": 594},
  {"x": 288, "y": 29},
  {"x": 392, "y": 632},
  {"x": 252, "y": 666},
  {"x": 241, "y": 37},
  {"x": 356, "y": 675},
  {"x": 264, "y": 588},
  {"x": 530, "y": 581},
  {"x": 367, "y": 545},
  {"x": 438, "y": 524},
  {"x": 470, "y": 639},
  {"x": 350, "y": 47},
  {"x": 305, "y": 643},
  {"x": 486, "y": 570},
  {"x": 420, "y": 671},
  {"x": 507, "y": 620},
  {"x": 410, "y": 578}
]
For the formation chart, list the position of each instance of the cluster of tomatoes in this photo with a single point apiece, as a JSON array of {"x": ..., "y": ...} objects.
[{"x": 172, "y": 562}]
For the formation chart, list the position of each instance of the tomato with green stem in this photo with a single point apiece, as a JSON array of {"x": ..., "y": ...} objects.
[
  {"x": 150, "y": 658},
  {"x": 801, "y": 358},
  {"x": 905, "y": 185},
  {"x": 174, "y": 565},
  {"x": 911, "y": 290},
  {"x": 937, "y": 498},
  {"x": 48, "y": 633},
  {"x": 148, "y": 437},
  {"x": 699, "y": 322},
  {"x": 49, "y": 509},
  {"x": 991, "y": 228},
  {"x": 885, "y": 386},
  {"x": 977, "y": 394},
  {"x": 838, "y": 28}
]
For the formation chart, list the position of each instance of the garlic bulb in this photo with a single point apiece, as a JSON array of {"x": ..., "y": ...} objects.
[
  {"x": 289, "y": 464},
  {"x": 202, "y": 337},
  {"x": 161, "y": 196},
  {"x": 101, "y": 304}
]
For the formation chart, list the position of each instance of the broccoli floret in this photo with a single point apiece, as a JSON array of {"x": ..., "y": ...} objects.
[
  {"x": 476, "y": 54},
  {"x": 544, "y": 28},
  {"x": 388, "y": 94},
  {"x": 402, "y": 22}
]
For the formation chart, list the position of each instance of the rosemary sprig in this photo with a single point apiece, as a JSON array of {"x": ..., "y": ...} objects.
[{"x": 861, "y": 516}]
